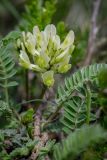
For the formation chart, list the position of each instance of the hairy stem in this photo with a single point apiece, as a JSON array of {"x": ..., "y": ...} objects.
[{"x": 37, "y": 129}]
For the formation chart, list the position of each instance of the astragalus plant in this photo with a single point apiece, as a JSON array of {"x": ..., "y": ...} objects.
[{"x": 55, "y": 129}]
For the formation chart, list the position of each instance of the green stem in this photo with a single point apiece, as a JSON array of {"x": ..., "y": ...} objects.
[
  {"x": 88, "y": 103},
  {"x": 27, "y": 84},
  {"x": 35, "y": 100}
]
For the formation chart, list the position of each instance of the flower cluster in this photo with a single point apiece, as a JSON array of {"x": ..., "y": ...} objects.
[{"x": 42, "y": 51}]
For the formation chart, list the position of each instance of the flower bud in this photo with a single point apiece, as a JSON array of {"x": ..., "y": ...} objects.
[{"x": 48, "y": 78}]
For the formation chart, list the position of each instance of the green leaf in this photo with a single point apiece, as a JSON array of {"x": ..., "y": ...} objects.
[
  {"x": 7, "y": 66},
  {"x": 14, "y": 35},
  {"x": 77, "y": 80},
  {"x": 27, "y": 116},
  {"x": 74, "y": 115},
  {"x": 72, "y": 96},
  {"x": 11, "y": 84}
]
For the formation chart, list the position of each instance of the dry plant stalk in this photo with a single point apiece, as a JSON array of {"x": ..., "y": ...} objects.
[{"x": 93, "y": 32}]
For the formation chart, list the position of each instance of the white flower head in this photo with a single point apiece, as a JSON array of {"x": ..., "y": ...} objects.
[{"x": 42, "y": 51}]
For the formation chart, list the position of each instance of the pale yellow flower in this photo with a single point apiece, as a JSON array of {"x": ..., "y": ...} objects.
[{"x": 42, "y": 51}]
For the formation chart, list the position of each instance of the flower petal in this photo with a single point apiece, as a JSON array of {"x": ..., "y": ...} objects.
[
  {"x": 68, "y": 40},
  {"x": 58, "y": 66},
  {"x": 30, "y": 43},
  {"x": 64, "y": 68},
  {"x": 36, "y": 31},
  {"x": 50, "y": 31},
  {"x": 57, "y": 41},
  {"x": 59, "y": 57},
  {"x": 38, "y": 36},
  {"x": 24, "y": 59},
  {"x": 42, "y": 60},
  {"x": 36, "y": 68}
]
